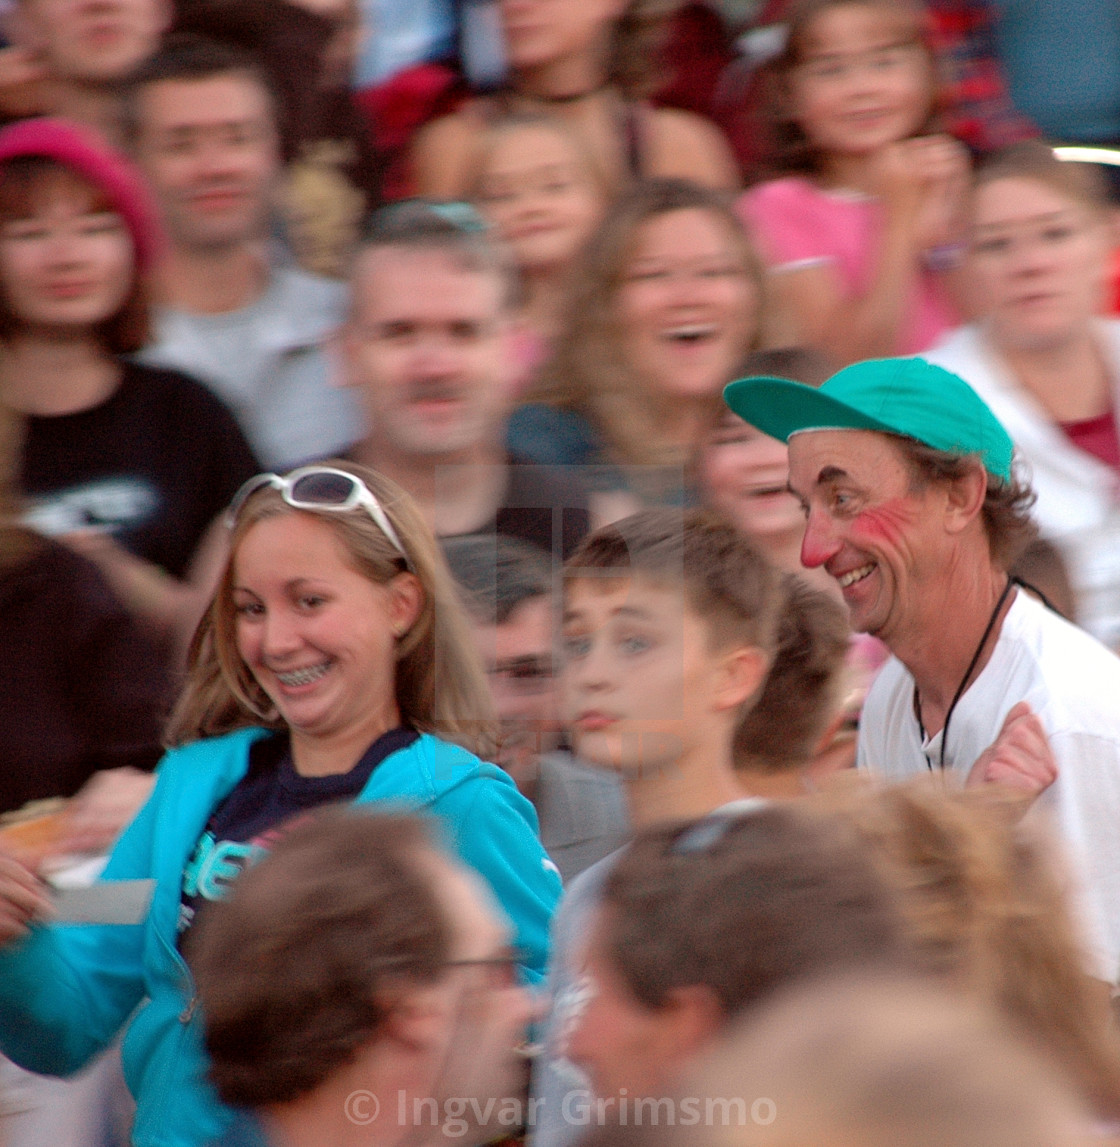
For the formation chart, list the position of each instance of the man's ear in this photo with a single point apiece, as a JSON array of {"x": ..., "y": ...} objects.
[
  {"x": 964, "y": 498},
  {"x": 743, "y": 671},
  {"x": 691, "y": 1018}
]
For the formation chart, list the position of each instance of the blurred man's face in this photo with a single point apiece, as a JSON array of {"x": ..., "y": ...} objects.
[
  {"x": 210, "y": 151},
  {"x": 518, "y": 658},
  {"x": 428, "y": 345},
  {"x": 93, "y": 41},
  {"x": 488, "y": 1008}
]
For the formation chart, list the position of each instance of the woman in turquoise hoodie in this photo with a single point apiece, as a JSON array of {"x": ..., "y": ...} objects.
[{"x": 334, "y": 664}]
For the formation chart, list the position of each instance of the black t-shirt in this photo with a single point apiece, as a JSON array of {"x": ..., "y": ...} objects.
[
  {"x": 155, "y": 464},
  {"x": 266, "y": 802},
  {"x": 82, "y": 688},
  {"x": 545, "y": 506}
]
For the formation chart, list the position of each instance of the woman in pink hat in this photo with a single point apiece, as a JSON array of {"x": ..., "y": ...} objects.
[{"x": 129, "y": 464}]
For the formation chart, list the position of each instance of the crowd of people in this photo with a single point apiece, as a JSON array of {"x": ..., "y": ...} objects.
[{"x": 561, "y": 574}]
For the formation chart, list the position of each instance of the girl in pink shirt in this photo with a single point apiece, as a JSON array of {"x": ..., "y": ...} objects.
[{"x": 862, "y": 238}]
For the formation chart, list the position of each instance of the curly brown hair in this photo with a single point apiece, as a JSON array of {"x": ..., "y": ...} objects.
[{"x": 1007, "y": 505}]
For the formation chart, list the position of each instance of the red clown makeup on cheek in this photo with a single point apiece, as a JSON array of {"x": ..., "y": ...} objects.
[{"x": 888, "y": 522}]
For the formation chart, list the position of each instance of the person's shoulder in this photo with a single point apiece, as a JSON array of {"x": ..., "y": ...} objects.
[
  {"x": 165, "y": 385},
  {"x": 551, "y": 435},
  {"x": 225, "y": 746},
  {"x": 431, "y": 769},
  {"x": 960, "y": 350},
  {"x": 785, "y": 191},
  {"x": 310, "y": 295},
  {"x": 1063, "y": 652},
  {"x": 687, "y": 145},
  {"x": 441, "y": 151}
]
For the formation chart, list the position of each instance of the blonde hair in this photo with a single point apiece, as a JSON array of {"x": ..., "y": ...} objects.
[
  {"x": 986, "y": 911},
  {"x": 440, "y": 682},
  {"x": 880, "y": 1060},
  {"x": 513, "y": 120},
  {"x": 588, "y": 373}
]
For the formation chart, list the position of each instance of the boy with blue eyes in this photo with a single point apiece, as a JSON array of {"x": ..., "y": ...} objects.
[{"x": 669, "y": 628}]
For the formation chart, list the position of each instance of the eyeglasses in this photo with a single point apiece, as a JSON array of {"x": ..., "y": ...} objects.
[
  {"x": 501, "y": 970},
  {"x": 321, "y": 489},
  {"x": 528, "y": 674},
  {"x": 705, "y": 834}
]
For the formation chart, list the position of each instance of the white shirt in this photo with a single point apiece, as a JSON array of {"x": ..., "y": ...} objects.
[
  {"x": 1078, "y": 504},
  {"x": 268, "y": 363},
  {"x": 1072, "y": 683}
]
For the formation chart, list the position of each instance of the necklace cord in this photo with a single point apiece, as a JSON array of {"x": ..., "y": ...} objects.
[{"x": 964, "y": 680}]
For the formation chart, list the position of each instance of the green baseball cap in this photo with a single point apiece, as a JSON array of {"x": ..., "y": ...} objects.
[{"x": 906, "y": 396}]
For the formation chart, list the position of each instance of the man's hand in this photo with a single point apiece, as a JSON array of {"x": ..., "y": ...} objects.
[{"x": 1020, "y": 757}]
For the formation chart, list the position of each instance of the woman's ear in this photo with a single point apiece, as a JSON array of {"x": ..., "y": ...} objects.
[{"x": 406, "y": 600}]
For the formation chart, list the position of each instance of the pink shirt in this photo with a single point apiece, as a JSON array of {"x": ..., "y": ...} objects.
[{"x": 798, "y": 225}]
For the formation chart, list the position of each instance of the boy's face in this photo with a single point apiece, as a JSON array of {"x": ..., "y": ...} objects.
[{"x": 638, "y": 674}]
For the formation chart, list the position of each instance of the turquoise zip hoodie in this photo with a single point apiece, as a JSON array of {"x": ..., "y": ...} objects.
[{"x": 65, "y": 991}]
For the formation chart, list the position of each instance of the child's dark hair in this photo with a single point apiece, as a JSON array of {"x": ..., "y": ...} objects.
[
  {"x": 790, "y": 148},
  {"x": 802, "y": 690},
  {"x": 726, "y": 581},
  {"x": 745, "y": 905}
]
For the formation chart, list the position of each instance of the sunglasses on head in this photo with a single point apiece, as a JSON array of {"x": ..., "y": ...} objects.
[{"x": 320, "y": 489}]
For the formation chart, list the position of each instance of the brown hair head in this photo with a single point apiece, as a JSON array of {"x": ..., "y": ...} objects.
[
  {"x": 725, "y": 580},
  {"x": 744, "y": 904},
  {"x": 802, "y": 690},
  {"x": 296, "y": 968},
  {"x": 1033, "y": 159},
  {"x": 453, "y": 229},
  {"x": 440, "y": 683},
  {"x": 985, "y": 910},
  {"x": 588, "y": 371},
  {"x": 26, "y": 182}
]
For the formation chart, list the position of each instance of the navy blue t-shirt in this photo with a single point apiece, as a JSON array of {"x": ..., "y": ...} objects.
[{"x": 266, "y": 802}]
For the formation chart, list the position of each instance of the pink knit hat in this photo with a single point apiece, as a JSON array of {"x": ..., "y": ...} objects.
[{"x": 88, "y": 153}]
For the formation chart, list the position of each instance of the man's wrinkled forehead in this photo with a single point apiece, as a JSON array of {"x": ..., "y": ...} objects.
[{"x": 820, "y": 457}]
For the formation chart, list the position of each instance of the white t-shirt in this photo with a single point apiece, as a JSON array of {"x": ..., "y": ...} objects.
[{"x": 1072, "y": 683}]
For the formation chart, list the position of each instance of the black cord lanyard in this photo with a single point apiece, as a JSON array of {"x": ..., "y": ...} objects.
[{"x": 964, "y": 680}]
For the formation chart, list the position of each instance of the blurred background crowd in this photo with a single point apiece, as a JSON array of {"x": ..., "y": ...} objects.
[{"x": 478, "y": 272}]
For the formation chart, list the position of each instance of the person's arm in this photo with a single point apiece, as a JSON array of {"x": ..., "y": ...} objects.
[
  {"x": 65, "y": 991},
  {"x": 687, "y": 146},
  {"x": 440, "y": 157},
  {"x": 170, "y": 607},
  {"x": 494, "y": 831}
]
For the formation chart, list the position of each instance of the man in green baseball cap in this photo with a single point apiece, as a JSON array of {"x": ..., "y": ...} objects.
[{"x": 912, "y": 505}]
